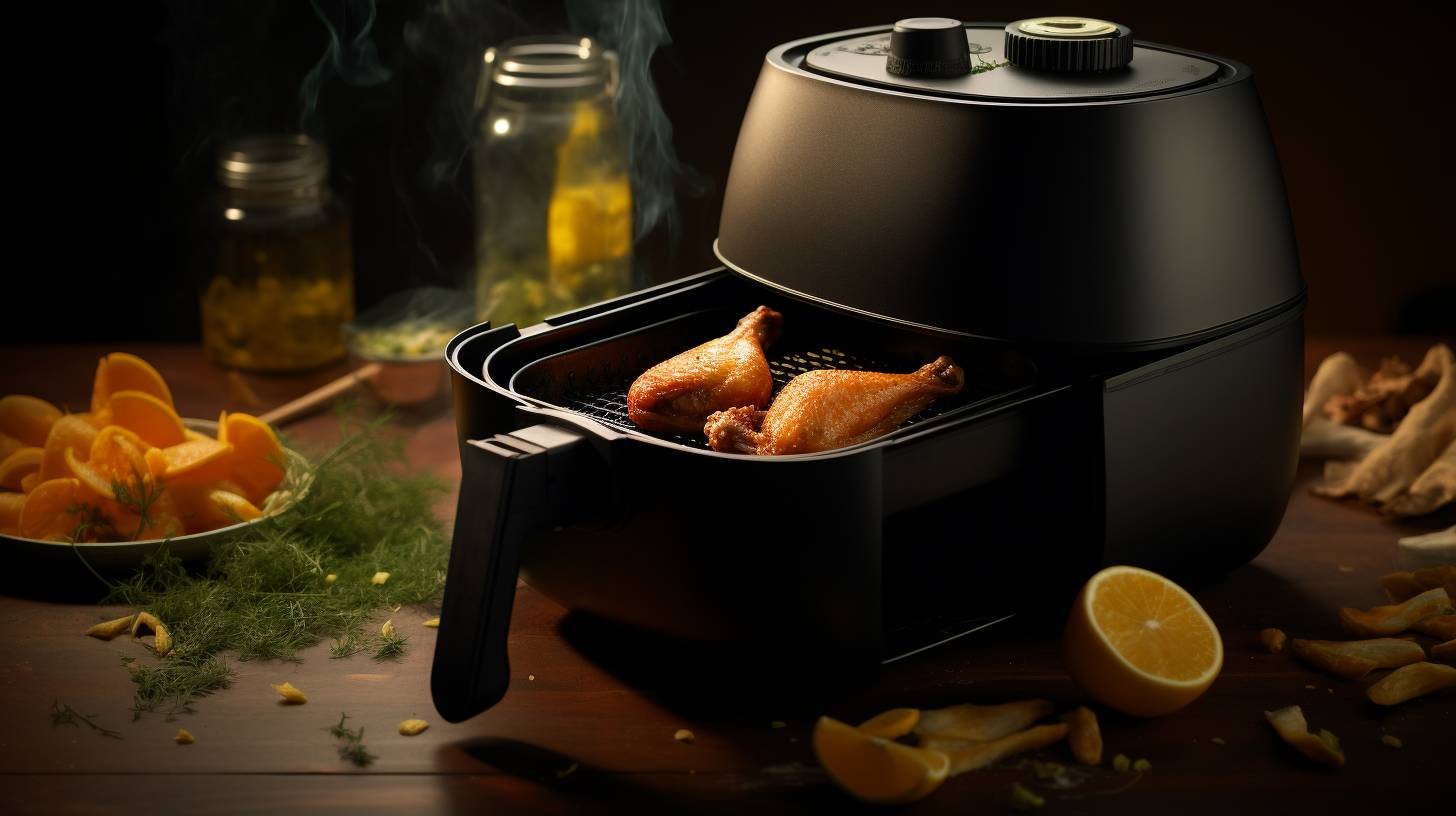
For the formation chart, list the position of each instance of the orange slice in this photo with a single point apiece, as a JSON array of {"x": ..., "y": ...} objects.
[
  {"x": 27, "y": 419},
  {"x": 28, "y": 483},
  {"x": 10, "y": 507},
  {"x": 126, "y": 372},
  {"x": 1139, "y": 643},
  {"x": 9, "y": 445},
  {"x": 47, "y": 514},
  {"x": 93, "y": 479},
  {"x": 70, "y": 431},
  {"x": 257, "y": 456},
  {"x": 193, "y": 461},
  {"x": 897, "y": 722},
  {"x": 119, "y": 452},
  {"x": 149, "y": 417},
  {"x": 18, "y": 465},
  {"x": 875, "y": 769}
]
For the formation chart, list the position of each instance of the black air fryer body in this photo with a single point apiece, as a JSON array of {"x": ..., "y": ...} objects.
[{"x": 1109, "y": 258}]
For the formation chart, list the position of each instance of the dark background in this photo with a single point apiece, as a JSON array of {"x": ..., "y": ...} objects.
[{"x": 118, "y": 119}]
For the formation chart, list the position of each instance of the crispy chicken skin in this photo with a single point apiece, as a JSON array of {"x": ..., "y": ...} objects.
[
  {"x": 677, "y": 395},
  {"x": 826, "y": 409}
]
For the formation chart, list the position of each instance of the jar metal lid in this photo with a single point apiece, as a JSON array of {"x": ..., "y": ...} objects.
[{"x": 272, "y": 163}]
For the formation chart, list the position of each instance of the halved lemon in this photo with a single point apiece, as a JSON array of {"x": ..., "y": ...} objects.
[
  {"x": 875, "y": 769},
  {"x": 1139, "y": 643}
]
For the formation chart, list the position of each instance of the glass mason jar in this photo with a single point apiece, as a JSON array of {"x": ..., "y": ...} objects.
[
  {"x": 553, "y": 200},
  {"x": 281, "y": 284}
]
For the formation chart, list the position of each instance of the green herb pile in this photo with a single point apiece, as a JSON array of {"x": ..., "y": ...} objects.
[{"x": 264, "y": 593}]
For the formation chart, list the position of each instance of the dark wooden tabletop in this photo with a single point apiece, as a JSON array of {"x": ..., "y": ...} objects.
[{"x": 589, "y": 721}]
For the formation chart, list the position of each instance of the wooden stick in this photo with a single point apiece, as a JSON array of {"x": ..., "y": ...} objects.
[{"x": 289, "y": 411}]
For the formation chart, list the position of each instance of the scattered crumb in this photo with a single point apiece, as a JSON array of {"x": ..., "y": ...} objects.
[
  {"x": 379, "y": 578},
  {"x": 531, "y": 677},
  {"x": 184, "y": 737},
  {"x": 1121, "y": 763},
  {"x": 1219, "y": 741},
  {"x": 1309, "y": 686},
  {"x": 1142, "y": 766},
  {"x": 1022, "y": 799},
  {"x": 330, "y": 578},
  {"x": 388, "y": 628},
  {"x": 567, "y": 771},
  {"x": 433, "y": 623},
  {"x": 684, "y": 735},
  {"x": 778, "y": 724},
  {"x": 1345, "y": 568},
  {"x": 411, "y": 728},
  {"x": 1392, "y": 741},
  {"x": 1330, "y": 690},
  {"x": 1048, "y": 771}
]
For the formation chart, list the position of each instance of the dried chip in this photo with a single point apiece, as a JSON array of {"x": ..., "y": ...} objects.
[
  {"x": 976, "y": 722},
  {"x": 1272, "y": 640},
  {"x": 1022, "y": 799},
  {"x": 162, "y": 639},
  {"x": 1142, "y": 766},
  {"x": 433, "y": 623},
  {"x": 897, "y": 722},
  {"x": 1392, "y": 741},
  {"x": 1396, "y": 618},
  {"x": 387, "y": 629},
  {"x": 290, "y": 694},
  {"x": 1356, "y": 658},
  {"x": 379, "y": 578},
  {"x": 1323, "y": 748},
  {"x": 1442, "y": 627},
  {"x": 1085, "y": 737},
  {"x": 1121, "y": 763},
  {"x": 184, "y": 737},
  {"x": 1444, "y": 652},
  {"x": 969, "y": 755},
  {"x": 330, "y": 578},
  {"x": 1400, "y": 586},
  {"x": 1409, "y": 682},
  {"x": 684, "y": 735},
  {"x": 410, "y": 728},
  {"x": 112, "y": 628}
]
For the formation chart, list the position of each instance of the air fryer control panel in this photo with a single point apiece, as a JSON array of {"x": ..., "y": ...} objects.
[{"x": 867, "y": 59}]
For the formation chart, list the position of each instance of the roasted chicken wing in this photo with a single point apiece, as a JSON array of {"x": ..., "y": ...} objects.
[
  {"x": 677, "y": 395},
  {"x": 826, "y": 409}
]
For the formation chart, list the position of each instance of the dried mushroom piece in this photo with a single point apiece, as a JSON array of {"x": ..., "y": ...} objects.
[
  {"x": 980, "y": 722},
  {"x": 112, "y": 628},
  {"x": 1434, "y": 488},
  {"x": 1436, "y": 547},
  {"x": 1291, "y": 726},
  {"x": 1410, "y": 682},
  {"x": 1425, "y": 432},
  {"x": 1085, "y": 736},
  {"x": 1357, "y": 658},
  {"x": 969, "y": 755},
  {"x": 1395, "y": 618},
  {"x": 1272, "y": 640},
  {"x": 1337, "y": 374}
]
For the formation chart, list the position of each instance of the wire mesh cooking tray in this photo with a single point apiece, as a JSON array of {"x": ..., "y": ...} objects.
[{"x": 592, "y": 379}]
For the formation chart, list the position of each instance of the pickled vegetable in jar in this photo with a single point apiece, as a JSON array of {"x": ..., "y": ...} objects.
[{"x": 281, "y": 284}]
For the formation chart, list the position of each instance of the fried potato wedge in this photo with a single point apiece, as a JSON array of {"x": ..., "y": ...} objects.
[
  {"x": 1291, "y": 726},
  {"x": 1401, "y": 586},
  {"x": 1356, "y": 658},
  {"x": 978, "y": 722},
  {"x": 1085, "y": 736},
  {"x": 1273, "y": 640},
  {"x": 1444, "y": 652},
  {"x": 1395, "y": 618},
  {"x": 969, "y": 755},
  {"x": 1410, "y": 682},
  {"x": 1441, "y": 627}
]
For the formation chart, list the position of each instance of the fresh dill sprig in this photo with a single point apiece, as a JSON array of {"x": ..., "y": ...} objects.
[
  {"x": 63, "y": 714},
  {"x": 263, "y": 593},
  {"x": 91, "y": 522},
  {"x": 351, "y": 746},
  {"x": 139, "y": 500}
]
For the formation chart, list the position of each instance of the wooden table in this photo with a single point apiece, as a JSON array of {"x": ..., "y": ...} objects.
[{"x": 596, "y": 733}]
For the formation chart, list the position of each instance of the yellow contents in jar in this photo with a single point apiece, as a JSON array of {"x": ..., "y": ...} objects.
[{"x": 589, "y": 222}]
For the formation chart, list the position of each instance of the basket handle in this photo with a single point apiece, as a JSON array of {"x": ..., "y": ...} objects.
[{"x": 503, "y": 499}]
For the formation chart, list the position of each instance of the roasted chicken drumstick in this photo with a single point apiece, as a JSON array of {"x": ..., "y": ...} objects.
[
  {"x": 826, "y": 409},
  {"x": 677, "y": 395}
]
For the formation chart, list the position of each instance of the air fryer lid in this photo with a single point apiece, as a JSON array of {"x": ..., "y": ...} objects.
[{"x": 1097, "y": 192}]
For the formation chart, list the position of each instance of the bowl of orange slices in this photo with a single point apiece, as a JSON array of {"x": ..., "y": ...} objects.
[{"x": 129, "y": 476}]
